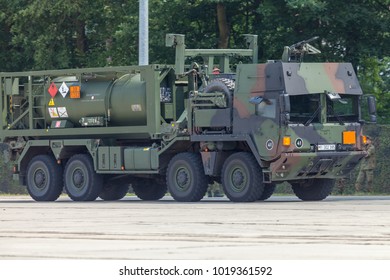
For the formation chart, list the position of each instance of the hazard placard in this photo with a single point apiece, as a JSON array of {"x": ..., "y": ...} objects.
[
  {"x": 51, "y": 102},
  {"x": 64, "y": 89},
  {"x": 62, "y": 112},
  {"x": 53, "y": 113},
  {"x": 52, "y": 89}
]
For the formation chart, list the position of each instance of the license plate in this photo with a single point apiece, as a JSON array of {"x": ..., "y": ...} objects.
[{"x": 326, "y": 147}]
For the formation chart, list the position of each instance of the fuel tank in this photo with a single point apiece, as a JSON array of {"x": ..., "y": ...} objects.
[{"x": 99, "y": 101}]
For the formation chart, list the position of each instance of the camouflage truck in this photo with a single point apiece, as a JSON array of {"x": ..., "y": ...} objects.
[{"x": 93, "y": 132}]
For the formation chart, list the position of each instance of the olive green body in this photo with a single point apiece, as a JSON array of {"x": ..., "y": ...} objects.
[{"x": 121, "y": 101}]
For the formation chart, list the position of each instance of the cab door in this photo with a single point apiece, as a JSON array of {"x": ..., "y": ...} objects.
[
  {"x": 256, "y": 106},
  {"x": 267, "y": 133}
]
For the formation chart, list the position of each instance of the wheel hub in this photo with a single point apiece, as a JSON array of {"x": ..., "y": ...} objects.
[
  {"x": 238, "y": 177},
  {"x": 182, "y": 178},
  {"x": 40, "y": 179},
  {"x": 78, "y": 178}
]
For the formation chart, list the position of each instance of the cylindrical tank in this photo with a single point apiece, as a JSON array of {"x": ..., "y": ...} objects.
[{"x": 117, "y": 101}]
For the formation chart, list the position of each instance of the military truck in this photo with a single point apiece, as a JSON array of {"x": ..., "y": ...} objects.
[{"x": 93, "y": 132}]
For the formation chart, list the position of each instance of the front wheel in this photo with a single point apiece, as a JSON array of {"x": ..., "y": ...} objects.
[
  {"x": 242, "y": 178},
  {"x": 185, "y": 177},
  {"x": 44, "y": 178},
  {"x": 268, "y": 191},
  {"x": 81, "y": 181},
  {"x": 313, "y": 190}
]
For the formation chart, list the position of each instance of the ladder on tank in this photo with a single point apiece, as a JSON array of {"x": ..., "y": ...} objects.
[{"x": 38, "y": 121}]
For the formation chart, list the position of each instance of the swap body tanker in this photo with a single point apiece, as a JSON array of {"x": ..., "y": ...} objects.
[{"x": 94, "y": 132}]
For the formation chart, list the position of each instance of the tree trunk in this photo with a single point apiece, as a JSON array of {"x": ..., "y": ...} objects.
[
  {"x": 223, "y": 26},
  {"x": 81, "y": 38}
]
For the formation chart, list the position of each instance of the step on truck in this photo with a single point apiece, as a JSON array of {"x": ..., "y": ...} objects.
[{"x": 178, "y": 128}]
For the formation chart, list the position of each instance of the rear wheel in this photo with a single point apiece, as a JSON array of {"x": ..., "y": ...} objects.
[
  {"x": 313, "y": 190},
  {"x": 81, "y": 181},
  {"x": 149, "y": 189},
  {"x": 242, "y": 179},
  {"x": 112, "y": 191},
  {"x": 185, "y": 177},
  {"x": 44, "y": 178}
]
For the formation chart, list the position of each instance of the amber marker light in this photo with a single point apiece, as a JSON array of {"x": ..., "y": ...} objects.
[
  {"x": 349, "y": 137},
  {"x": 364, "y": 139},
  {"x": 286, "y": 141}
]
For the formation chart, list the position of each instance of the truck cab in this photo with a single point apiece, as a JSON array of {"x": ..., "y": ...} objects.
[{"x": 302, "y": 122}]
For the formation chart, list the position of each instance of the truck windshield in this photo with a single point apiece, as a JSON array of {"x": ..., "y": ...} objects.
[
  {"x": 344, "y": 109},
  {"x": 306, "y": 109}
]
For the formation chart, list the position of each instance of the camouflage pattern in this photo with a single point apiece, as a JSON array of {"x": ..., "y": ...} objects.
[
  {"x": 315, "y": 128},
  {"x": 301, "y": 159},
  {"x": 366, "y": 171},
  {"x": 369, "y": 161}
]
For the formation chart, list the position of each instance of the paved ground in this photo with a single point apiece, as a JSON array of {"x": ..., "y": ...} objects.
[{"x": 281, "y": 228}]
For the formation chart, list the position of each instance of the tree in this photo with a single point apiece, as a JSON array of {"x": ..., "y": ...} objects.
[
  {"x": 374, "y": 78},
  {"x": 223, "y": 26},
  {"x": 63, "y": 33}
]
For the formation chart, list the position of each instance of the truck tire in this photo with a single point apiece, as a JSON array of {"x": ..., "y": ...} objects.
[
  {"x": 185, "y": 177},
  {"x": 149, "y": 189},
  {"x": 242, "y": 179},
  {"x": 268, "y": 191},
  {"x": 81, "y": 181},
  {"x": 313, "y": 190},
  {"x": 222, "y": 85},
  {"x": 113, "y": 191},
  {"x": 44, "y": 178}
]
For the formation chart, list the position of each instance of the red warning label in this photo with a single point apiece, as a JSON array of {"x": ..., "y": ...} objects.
[{"x": 52, "y": 89}]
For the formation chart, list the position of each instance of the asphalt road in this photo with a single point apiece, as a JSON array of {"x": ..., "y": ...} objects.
[{"x": 281, "y": 228}]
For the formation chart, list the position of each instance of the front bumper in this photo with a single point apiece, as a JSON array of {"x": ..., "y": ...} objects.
[{"x": 299, "y": 166}]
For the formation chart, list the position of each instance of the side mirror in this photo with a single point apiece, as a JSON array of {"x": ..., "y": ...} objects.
[
  {"x": 372, "y": 108},
  {"x": 285, "y": 101}
]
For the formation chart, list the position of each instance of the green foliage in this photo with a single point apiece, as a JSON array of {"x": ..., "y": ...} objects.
[
  {"x": 72, "y": 33},
  {"x": 374, "y": 76}
]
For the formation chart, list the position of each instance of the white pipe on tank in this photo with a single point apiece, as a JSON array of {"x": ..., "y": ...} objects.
[{"x": 143, "y": 48}]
